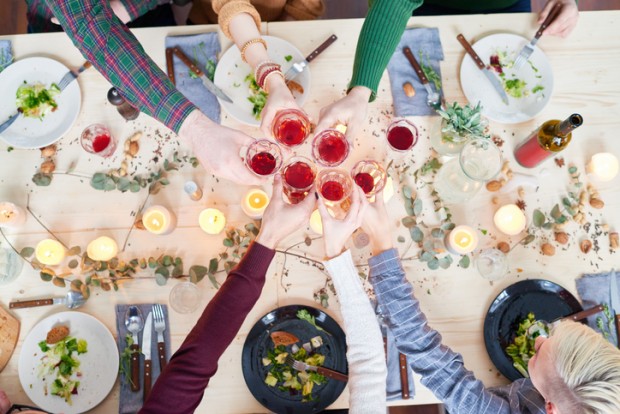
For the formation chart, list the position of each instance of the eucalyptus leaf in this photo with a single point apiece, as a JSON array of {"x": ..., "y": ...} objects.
[
  {"x": 426, "y": 256},
  {"x": 73, "y": 264},
  {"x": 538, "y": 218},
  {"x": 528, "y": 239},
  {"x": 417, "y": 206},
  {"x": 123, "y": 184},
  {"x": 76, "y": 285},
  {"x": 416, "y": 234},
  {"x": 555, "y": 211},
  {"x": 41, "y": 179},
  {"x": 400, "y": 239},
  {"x": 134, "y": 186},
  {"x": 433, "y": 264},
  {"x": 548, "y": 225},
  {"x": 561, "y": 220},
  {"x": 448, "y": 226},
  {"x": 407, "y": 191},
  {"x": 46, "y": 277},
  {"x": 228, "y": 242},
  {"x": 213, "y": 265},
  {"x": 445, "y": 262},
  {"x": 155, "y": 187},
  {"x": 163, "y": 271},
  {"x": 177, "y": 271},
  {"x": 167, "y": 260},
  {"x": 409, "y": 221},
  {"x": 464, "y": 262},
  {"x": 197, "y": 273},
  {"x": 437, "y": 233},
  {"x": 26, "y": 252},
  {"x": 572, "y": 170},
  {"x": 160, "y": 279},
  {"x": 60, "y": 282}
]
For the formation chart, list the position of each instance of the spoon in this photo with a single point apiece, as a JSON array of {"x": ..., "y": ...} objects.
[
  {"x": 546, "y": 327},
  {"x": 71, "y": 300},
  {"x": 432, "y": 98},
  {"x": 134, "y": 323}
]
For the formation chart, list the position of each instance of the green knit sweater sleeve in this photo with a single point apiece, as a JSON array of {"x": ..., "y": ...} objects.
[{"x": 381, "y": 32}]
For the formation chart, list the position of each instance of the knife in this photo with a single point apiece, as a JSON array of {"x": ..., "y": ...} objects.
[
  {"x": 170, "y": 65},
  {"x": 146, "y": 351},
  {"x": 615, "y": 302},
  {"x": 299, "y": 67},
  {"x": 497, "y": 85},
  {"x": 402, "y": 358},
  {"x": 205, "y": 80}
]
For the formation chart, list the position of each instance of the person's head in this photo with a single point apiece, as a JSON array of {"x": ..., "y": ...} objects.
[{"x": 577, "y": 371}]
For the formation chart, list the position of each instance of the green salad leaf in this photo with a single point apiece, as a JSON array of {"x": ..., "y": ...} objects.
[
  {"x": 258, "y": 97},
  {"x": 522, "y": 348},
  {"x": 35, "y": 100}
]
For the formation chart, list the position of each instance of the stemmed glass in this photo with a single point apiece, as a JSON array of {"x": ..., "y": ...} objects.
[{"x": 370, "y": 176}]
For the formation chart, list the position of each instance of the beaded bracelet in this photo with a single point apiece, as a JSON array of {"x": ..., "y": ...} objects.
[
  {"x": 265, "y": 73},
  {"x": 250, "y": 43},
  {"x": 262, "y": 66},
  {"x": 277, "y": 72}
]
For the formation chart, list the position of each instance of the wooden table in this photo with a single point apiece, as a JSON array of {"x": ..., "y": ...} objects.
[{"x": 586, "y": 68}]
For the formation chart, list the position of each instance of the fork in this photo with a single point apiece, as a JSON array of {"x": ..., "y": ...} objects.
[
  {"x": 302, "y": 366},
  {"x": 528, "y": 49},
  {"x": 64, "y": 82},
  {"x": 159, "y": 322}
]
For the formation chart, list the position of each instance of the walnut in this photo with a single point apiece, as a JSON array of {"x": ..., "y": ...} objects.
[
  {"x": 585, "y": 245},
  {"x": 48, "y": 151},
  {"x": 48, "y": 167},
  {"x": 613, "y": 240},
  {"x": 503, "y": 247},
  {"x": 409, "y": 90},
  {"x": 561, "y": 237},
  {"x": 547, "y": 249},
  {"x": 493, "y": 185},
  {"x": 597, "y": 203}
]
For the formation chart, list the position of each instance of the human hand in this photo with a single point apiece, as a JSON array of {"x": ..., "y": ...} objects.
[
  {"x": 564, "y": 22},
  {"x": 5, "y": 404},
  {"x": 337, "y": 232},
  {"x": 218, "y": 147},
  {"x": 281, "y": 219},
  {"x": 279, "y": 98},
  {"x": 376, "y": 223},
  {"x": 350, "y": 111}
]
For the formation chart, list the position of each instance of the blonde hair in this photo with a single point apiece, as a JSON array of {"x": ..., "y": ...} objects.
[{"x": 589, "y": 369}]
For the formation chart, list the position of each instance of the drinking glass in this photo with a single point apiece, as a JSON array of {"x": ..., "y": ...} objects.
[
  {"x": 334, "y": 187},
  {"x": 97, "y": 139},
  {"x": 492, "y": 264},
  {"x": 263, "y": 157},
  {"x": 11, "y": 265},
  {"x": 459, "y": 179},
  {"x": 185, "y": 297},
  {"x": 330, "y": 147},
  {"x": 298, "y": 177},
  {"x": 290, "y": 127},
  {"x": 402, "y": 135},
  {"x": 370, "y": 176}
]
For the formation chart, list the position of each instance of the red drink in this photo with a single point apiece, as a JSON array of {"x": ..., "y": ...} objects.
[
  {"x": 290, "y": 127},
  {"x": 330, "y": 147},
  {"x": 101, "y": 142},
  {"x": 263, "y": 163},
  {"x": 365, "y": 181},
  {"x": 402, "y": 135},
  {"x": 335, "y": 187},
  {"x": 97, "y": 139},
  {"x": 298, "y": 179},
  {"x": 332, "y": 190},
  {"x": 263, "y": 157}
]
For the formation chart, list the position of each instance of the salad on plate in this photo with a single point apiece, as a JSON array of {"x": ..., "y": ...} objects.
[
  {"x": 522, "y": 348},
  {"x": 502, "y": 62},
  {"x": 35, "y": 100}
]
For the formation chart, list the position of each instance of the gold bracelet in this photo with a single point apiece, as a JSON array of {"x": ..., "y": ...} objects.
[{"x": 248, "y": 44}]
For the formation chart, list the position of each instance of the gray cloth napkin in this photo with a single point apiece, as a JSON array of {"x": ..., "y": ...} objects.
[
  {"x": 200, "y": 48},
  {"x": 400, "y": 70},
  {"x": 393, "y": 388},
  {"x": 6, "y": 54},
  {"x": 594, "y": 289},
  {"x": 130, "y": 402}
]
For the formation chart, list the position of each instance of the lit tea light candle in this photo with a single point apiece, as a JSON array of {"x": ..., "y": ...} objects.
[
  {"x": 158, "y": 220},
  {"x": 510, "y": 220},
  {"x": 11, "y": 216},
  {"x": 316, "y": 224},
  {"x": 604, "y": 166},
  {"x": 49, "y": 252},
  {"x": 212, "y": 221},
  {"x": 388, "y": 189},
  {"x": 254, "y": 203},
  {"x": 102, "y": 249},
  {"x": 461, "y": 240}
]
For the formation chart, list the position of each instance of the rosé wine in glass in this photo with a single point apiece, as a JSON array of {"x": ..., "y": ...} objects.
[
  {"x": 298, "y": 177},
  {"x": 330, "y": 147},
  {"x": 290, "y": 127},
  {"x": 402, "y": 135},
  {"x": 263, "y": 157},
  {"x": 97, "y": 139},
  {"x": 370, "y": 176},
  {"x": 334, "y": 185}
]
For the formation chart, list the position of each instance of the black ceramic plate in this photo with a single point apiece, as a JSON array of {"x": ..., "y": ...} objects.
[
  {"x": 546, "y": 299},
  {"x": 259, "y": 342}
]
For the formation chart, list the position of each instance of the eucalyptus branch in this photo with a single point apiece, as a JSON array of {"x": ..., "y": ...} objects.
[
  {"x": 133, "y": 224},
  {"x": 72, "y": 174},
  {"x": 43, "y": 225}
]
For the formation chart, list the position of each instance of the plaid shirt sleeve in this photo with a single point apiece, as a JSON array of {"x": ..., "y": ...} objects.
[
  {"x": 109, "y": 45},
  {"x": 442, "y": 369}
]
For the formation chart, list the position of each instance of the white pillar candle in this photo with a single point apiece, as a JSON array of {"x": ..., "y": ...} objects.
[
  {"x": 49, "y": 252},
  {"x": 158, "y": 220},
  {"x": 11, "y": 216},
  {"x": 102, "y": 249},
  {"x": 604, "y": 166},
  {"x": 254, "y": 203},
  {"x": 212, "y": 221},
  {"x": 461, "y": 240},
  {"x": 316, "y": 224},
  {"x": 510, "y": 220}
]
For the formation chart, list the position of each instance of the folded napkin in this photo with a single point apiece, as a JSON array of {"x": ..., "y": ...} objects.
[
  {"x": 200, "y": 48},
  {"x": 426, "y": 41},
  {"x": 6, "y": 54},
  {"x": 593, "y": 290},
  {"x": 130, "y": 402},
  {"x": 393, "y": 387}
]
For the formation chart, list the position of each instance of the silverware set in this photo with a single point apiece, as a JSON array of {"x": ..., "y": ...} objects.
[{"x": 433, "y": 99}]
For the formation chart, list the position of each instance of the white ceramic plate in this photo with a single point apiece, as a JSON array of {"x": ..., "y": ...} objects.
[
  {"x": 477, "y": 87},
  {"x": 32, "y": 132},
  {"x": 99, "y": 366},
  {"x": 231, "y": 72}
]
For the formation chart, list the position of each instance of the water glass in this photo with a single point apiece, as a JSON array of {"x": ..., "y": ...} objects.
[
  {"x": 492, "y": 264},
  {"x": 185, "y": 297},
  {"x": 11, "y": 265}
]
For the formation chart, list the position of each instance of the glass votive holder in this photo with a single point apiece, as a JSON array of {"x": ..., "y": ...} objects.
[
  {"x": 298, "y": 177},
  {"x": 492, "y": 264},
  {"x": 185, "y": 297},
  {"x": 370, "y": 176},
  {"x": 97, "y": 139},
  {"x": 330, "y": 147},
  {"x": 402, "y": 135},
  {"x": 263, "y": 157},
  {"x": 290, "y": 127}
]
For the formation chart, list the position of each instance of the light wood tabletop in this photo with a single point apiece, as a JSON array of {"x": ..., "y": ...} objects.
[{"x": 585, "y": 70}]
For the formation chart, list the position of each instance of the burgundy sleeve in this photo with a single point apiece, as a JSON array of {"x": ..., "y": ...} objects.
[{"x": 181, "y": 386}]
